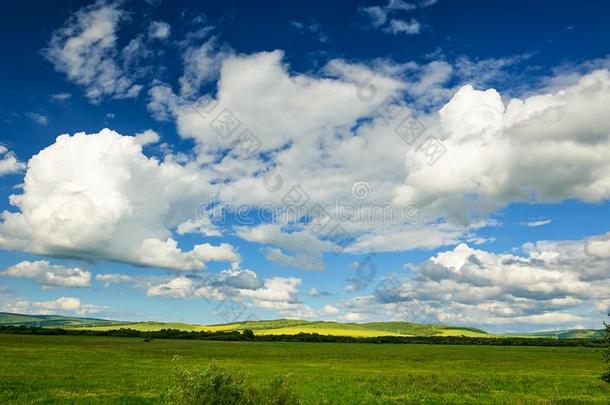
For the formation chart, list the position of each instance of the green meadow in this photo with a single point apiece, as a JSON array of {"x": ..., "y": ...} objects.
[{"x": 105, "y": 370}]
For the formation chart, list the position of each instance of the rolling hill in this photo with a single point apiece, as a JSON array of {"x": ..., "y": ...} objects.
[
  {"x": 285, "y": 326},
  {"x": 52, "y": 320}
]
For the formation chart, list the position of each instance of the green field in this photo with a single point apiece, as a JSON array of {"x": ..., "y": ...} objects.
[{"x": 103, "y": 370}]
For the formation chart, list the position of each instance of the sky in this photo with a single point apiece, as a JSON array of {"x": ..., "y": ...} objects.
[{"x": 427, "y": 161}]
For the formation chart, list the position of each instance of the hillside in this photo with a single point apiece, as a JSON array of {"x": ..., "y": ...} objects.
[
  {"x": 52, "y": 320},
  {"x": 285, "y": 327},
  {"x": 292, "y": 327},
  {"x": 565, "y": 334}
]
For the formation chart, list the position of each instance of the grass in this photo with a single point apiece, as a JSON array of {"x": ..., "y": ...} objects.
[{"x": 102, "y": 370}]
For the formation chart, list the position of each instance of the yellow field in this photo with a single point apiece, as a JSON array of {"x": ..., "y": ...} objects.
[
  {"x": 146, "y": 326},
  {"x": 356, "y": 332},
  {"x": 463, "y": 332}
]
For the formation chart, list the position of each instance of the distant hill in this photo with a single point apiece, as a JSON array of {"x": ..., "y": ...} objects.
[
  {"x": 292, "y": 327},
  {"x": 565, "y": 334},
  {"x": 52, "y": 320},
  {"x": 286, "y": 327}
]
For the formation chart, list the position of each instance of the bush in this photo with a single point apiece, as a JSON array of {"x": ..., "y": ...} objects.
[
  {"x": 213, "y": 385},
  {"x": 216, "y": 385},
  {"x": 280, "y": 392},
  {"x": 606, "y": 375}
]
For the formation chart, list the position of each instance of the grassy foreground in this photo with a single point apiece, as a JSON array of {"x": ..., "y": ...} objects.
[{"x": 103, "y": 370}]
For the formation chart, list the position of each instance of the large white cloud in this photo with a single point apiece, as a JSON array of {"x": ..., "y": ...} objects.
[
  {"x": 324, "y": 133},
  {"x": 98, "y": 196},
  {"x": 49, "y": 275},
  {"x": 545, "y": 148}
]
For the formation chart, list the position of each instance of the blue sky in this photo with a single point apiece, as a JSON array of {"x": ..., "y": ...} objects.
[{"x": 425, "y": 161}]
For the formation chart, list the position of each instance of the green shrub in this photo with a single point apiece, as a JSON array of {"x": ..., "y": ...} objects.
[
  {"x": 216, "y": 385},
  {"x": 248, "y": 334},
  {"x": 280, "y": 392},
  {"x": 606, "y": 375},
  {"x": 212, "y": 385}
]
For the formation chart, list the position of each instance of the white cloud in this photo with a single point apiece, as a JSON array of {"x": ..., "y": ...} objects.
[
  {"x": 38, "y": 118},
  {"x": 386, "y": 17},
  {"x": 88, "y": 197},
  {"x": 599, "y": 246},
  {"x": 9, "y": 163},
  {"x": 180, "y": 287},
  {"x": 241, "y": 287},
  {"x": 397, "y": 26},
  {"x": 84, "y": 49},
  {"x": 113, "y": 278},
  {"x": 536, "y": 223},
  {"x": 49, "y": 275},
  {"x": 328, "y": 130},
  {"x": 159, "y": 30},
  {"x": 550, "y": 284},
  {"x": 307, "y": 246},
  {"x": 202, "y": 64},
  {"x": 509, "y": 148},
  {"x": 377, "y": 15},
  {"x": 65, "y": 305},
  {"x": 352, "y": 317},
  {"x": 61, "y": 97},
  {"x": 16, "y": 307},
  {"x": 329, "y": 310}
]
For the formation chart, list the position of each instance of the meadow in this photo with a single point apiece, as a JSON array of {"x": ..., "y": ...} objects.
[{"x": 107, "y": 370}]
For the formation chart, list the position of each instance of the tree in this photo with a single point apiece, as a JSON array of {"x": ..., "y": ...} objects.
[
  {"x": 606, "y": 375},
  {"x": 248, "y": 334}
]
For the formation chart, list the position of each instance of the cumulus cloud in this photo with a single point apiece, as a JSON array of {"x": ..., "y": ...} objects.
[
  {"x": 84, "y": 49},
  {"x": 549, "y": 284},
  {"x": 510, "y": 148},
  {"x": 65, "y": 305},
  {"x": 49, "y": 275},
  {"x": 9, "y": 163},
  {"x": 88, "y": 197},
  {"x": 239, "y": 287},
  {"x": 113, "y": 278},
  {"x": 180, "y": 287},
  {"x": 321, "y": 148}
]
